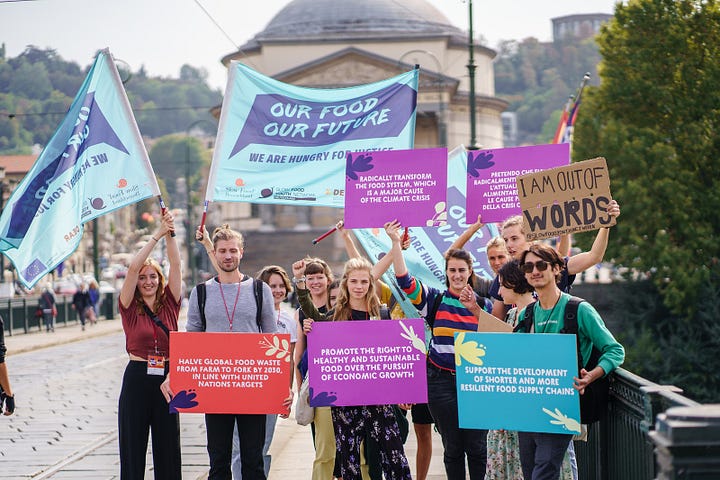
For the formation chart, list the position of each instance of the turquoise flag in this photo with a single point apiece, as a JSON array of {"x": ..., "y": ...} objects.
[
  {"x": 424, "y": 258},
  {"x": 283, "y": 144},
  {"x": 94, "y": 163}
]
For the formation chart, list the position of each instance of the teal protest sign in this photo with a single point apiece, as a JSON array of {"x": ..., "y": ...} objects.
[{"x": 516, "y": 381}]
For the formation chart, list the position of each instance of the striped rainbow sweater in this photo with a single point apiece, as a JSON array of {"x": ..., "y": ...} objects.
[{"x": 451, "y": 317}]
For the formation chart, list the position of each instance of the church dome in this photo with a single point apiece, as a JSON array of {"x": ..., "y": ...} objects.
[{"x": 350, "y": 19}]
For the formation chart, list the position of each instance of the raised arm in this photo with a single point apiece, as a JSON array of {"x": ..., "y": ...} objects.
[
  {"x": 582, "y": 261},
  {"x": 393, "y": 231},
  {"x": 128, "y": 289},
  {"x": 173, "y": 253},
  {"x": 308, "y": 308},
  {"x": 203, "y": 237},
  {"x": 347, "y": 235},
  {"x": 467, "y": 234},
  {"x": 563, "y": 245}
]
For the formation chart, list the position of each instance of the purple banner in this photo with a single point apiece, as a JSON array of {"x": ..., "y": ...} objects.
[
  {"x": 373, "y": 362},
  {"x": 491, "y": 187},
  {"x": 407, "y": 185}
]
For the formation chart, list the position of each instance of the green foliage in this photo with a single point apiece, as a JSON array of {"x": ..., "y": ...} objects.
[
  {"x": 537, "y": 78},
  {"x": 655, "y": 117},
  {"x": 669, "y": 349},
  {"x": 178, "y": 156},
  {"x": 38, "y": 86}
]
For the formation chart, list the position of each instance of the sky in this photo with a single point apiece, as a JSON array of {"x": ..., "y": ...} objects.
[{"x": 163, "y": 35}]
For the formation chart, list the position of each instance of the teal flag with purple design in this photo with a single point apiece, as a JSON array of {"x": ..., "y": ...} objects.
[
  {"x": 284, "y": 144},
  {"x": 94, "y": 163}
]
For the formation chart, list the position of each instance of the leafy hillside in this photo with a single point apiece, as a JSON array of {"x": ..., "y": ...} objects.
[{"x": 38, "y": 86}]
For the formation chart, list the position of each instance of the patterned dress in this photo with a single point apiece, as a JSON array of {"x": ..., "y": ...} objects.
[{"x": 503, "y": 448}]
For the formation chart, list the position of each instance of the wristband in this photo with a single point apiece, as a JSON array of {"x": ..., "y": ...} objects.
[
  {"x": 296, "y": 280},
  {"x": 156, "y": 239}
]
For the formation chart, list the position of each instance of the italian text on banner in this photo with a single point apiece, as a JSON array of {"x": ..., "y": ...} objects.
[{"x": 283, "y": 144}]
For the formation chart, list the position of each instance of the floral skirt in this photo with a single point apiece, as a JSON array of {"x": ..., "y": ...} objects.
[{"x": 503, "y": 457}]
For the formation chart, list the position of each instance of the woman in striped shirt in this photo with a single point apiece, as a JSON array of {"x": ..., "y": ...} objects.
[{"x": 453, "y": 310}]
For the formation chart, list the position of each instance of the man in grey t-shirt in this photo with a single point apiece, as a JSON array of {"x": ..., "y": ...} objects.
[{"x": 230, "y": 307}]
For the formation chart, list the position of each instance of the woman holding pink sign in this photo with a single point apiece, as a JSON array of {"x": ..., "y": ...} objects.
[{"x": 357, "y": 301}]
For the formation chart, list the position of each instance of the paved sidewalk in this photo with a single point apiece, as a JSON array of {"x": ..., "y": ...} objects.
[{"x": 292, "y": 449}]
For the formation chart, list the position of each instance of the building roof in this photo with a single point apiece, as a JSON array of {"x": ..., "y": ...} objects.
[
  {"x": 348, "y": 19},
  {"x": 17, "y": 164}
]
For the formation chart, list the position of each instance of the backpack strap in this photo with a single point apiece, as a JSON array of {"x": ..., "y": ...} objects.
[
  {"x": 201, "y": 296},
  {"x": 524, "y": 325},
  {"x": 258, "y": 289},
  {"x": 570, "y": 324}
]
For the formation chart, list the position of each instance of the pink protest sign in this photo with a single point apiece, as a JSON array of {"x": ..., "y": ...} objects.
[
  {"x": 491, "y": 187},
  {"x": 372, "y": 362},
  {"x": 407, "y": 185}
]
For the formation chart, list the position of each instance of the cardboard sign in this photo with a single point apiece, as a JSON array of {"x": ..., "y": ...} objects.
[
  {"x": 491, "y": 187},
  {"x": 490, "y": 323},
  {"x": 229, "y": 372},
  {"x": 566, "y": 199},
  {"x": 373, "y": 362},
  {"x": 407, "y": 185},
  {"x": 517, "y": 381}
]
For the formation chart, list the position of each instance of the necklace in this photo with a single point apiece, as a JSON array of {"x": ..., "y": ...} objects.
[
  {"x": 551, "y": 312},
  {"x": 227, "y": 312}
]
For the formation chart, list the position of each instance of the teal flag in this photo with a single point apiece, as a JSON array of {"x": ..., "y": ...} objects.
[
  {"x": 94, "y": 163},
  {"x": 283, "y": 144}
]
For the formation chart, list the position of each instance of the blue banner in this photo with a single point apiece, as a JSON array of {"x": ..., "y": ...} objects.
[
  {"x": 94, "y": 163},
  {"x": 424, "y": 258},
  {"x": 517, "y": 381},
  {"x": 284, "y": 144}
]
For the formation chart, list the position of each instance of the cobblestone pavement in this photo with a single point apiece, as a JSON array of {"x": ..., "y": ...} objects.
[{"x": 67, "y": 385}]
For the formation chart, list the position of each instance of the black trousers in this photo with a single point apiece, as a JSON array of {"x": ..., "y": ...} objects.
[
  {"x": 251, "y": 433},
  {"x": 142, "y": 409}
]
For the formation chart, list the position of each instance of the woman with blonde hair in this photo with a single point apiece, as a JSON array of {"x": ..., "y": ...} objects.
[
  {"x": 149, "y": 308},
  {"x": 357, "y": 301}
]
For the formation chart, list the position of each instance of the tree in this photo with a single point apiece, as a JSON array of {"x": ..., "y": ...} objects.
[
  {"x": 169, "y": 155},
  {"x": 655, "y": 117}
]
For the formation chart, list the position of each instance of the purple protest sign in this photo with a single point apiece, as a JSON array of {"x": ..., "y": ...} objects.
[
  {"x": 372, "y": 362},
  {"x": 491, "y": 188},
  {"x": 407, "y": 185}
]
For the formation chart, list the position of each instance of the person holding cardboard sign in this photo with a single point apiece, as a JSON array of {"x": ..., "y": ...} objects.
[
  {"x": 454, "y": 310},
  {"x": 515, "y": 236}
]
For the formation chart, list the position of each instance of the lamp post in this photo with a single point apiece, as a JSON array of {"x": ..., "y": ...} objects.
[
  {"x": 442, "y": 132},
  {"x": 471, "y": 74},
  {"x": 188, "y": 204}
]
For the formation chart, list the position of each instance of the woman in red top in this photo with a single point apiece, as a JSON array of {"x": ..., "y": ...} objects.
[{"x": 149, "y": 308}]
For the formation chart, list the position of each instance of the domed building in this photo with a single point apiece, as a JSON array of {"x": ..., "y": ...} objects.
[{"x": 340, "y": 43}]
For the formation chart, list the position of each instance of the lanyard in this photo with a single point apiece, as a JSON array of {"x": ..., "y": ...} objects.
[{"x": 227, "y": 312}]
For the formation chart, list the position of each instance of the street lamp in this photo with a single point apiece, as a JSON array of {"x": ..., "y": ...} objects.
[
  {"x": 442, "y": 134},
  {"x": 471, "y": 74},
  {"x": 188, "y": 204}
]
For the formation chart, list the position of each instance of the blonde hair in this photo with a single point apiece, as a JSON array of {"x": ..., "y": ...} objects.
[
  {"x": 496, "y": 242},
  {"x": 224, "y": 232},
  {"x": 159, "y": 295},
  {"x": 342, "y": 307},
  {"x": 512, "y": 221}
]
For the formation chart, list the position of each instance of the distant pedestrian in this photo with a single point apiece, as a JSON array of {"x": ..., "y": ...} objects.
[
  {"x": 47, "y": 305},
  {"x": 80, "y": 303},
  {"x": 7, "y": 398},
  {"x": 149, "y": 308},
  {"x": 94, "y": 292}
]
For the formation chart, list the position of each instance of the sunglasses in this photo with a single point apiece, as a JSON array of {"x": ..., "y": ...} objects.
[{"x": 528, "y": 267}]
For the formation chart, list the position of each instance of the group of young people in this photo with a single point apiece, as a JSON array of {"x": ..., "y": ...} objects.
[{"x": 360, "y": 441}]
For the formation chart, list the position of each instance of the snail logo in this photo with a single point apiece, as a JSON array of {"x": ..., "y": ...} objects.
[
  {"x": 122, "y": 183},
  {"x": 239, "y": 182},
  {"x": 97, "y": 203}
]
